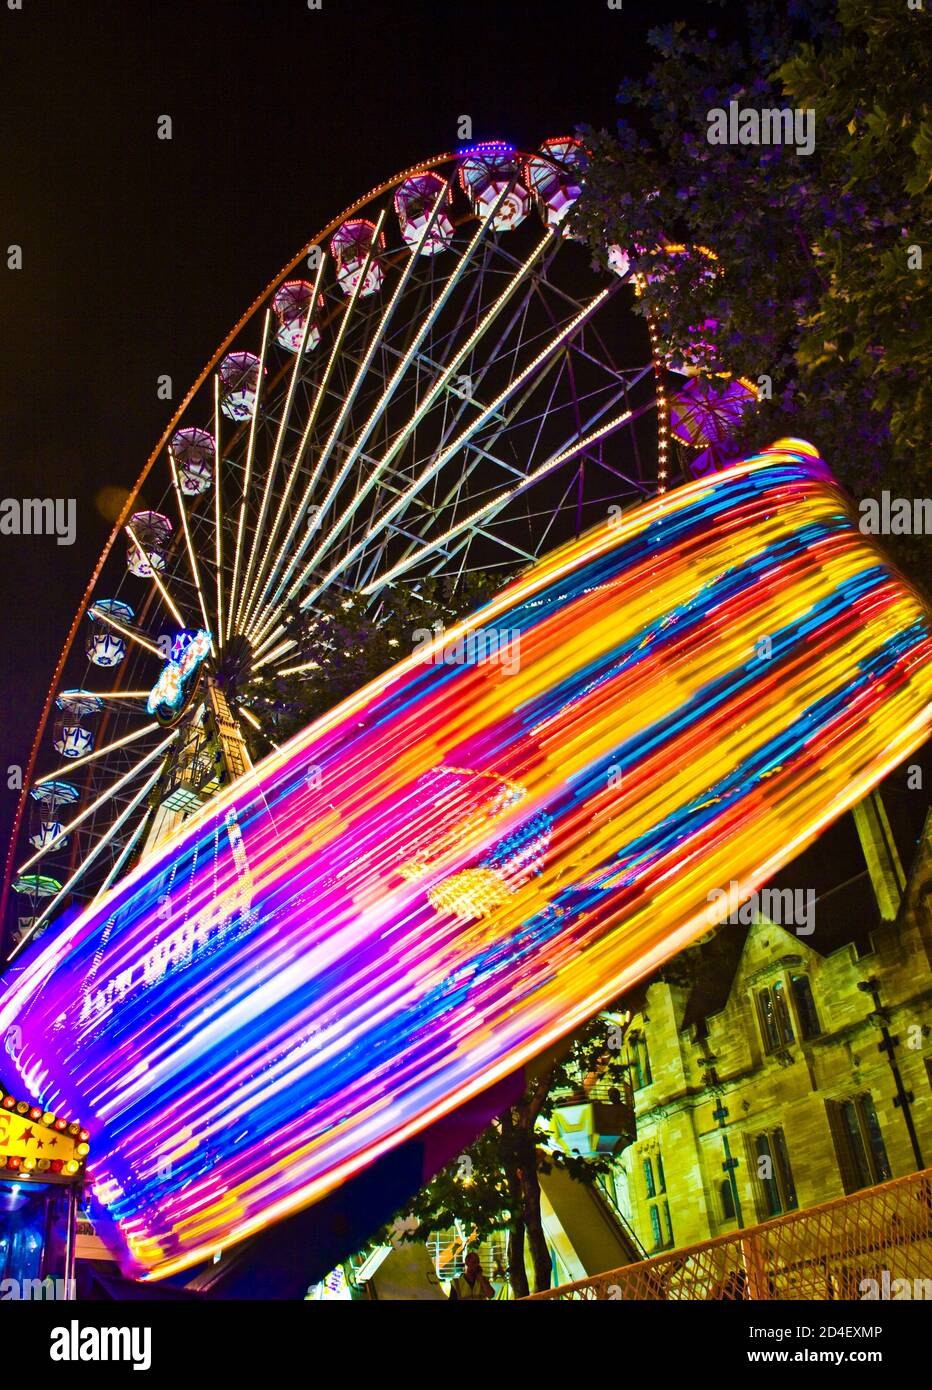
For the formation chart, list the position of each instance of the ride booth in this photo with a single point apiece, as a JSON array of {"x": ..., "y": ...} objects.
[{"x": 42, "y": 1169}]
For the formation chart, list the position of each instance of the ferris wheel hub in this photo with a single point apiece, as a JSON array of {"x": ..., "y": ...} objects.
[{"x": 234, "y": 665}]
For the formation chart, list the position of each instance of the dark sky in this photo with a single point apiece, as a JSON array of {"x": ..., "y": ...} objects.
[{"x": 140, "y": 254}]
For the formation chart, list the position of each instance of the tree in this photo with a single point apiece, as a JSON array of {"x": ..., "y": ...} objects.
[
  {"x": 494, "y": 1185},
  {"x": 871, "y": 88},
  {"x": 817, "y": 284}
]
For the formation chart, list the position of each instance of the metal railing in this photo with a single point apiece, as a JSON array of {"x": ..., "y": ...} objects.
[
  {"x": 854, "y": 1247},
  {"x": 617, "y": 1215},
  {"x": 448, "y": 1251}
]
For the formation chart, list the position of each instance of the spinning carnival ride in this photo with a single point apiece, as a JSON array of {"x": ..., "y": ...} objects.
[
  {"x": 271, "y": 975},
  {"x": 310, "y": 971}
]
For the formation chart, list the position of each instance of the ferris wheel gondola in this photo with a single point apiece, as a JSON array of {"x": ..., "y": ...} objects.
[{"x": 439, "y": 384}]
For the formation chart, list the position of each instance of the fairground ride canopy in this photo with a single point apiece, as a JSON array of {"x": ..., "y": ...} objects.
[{"x": 472, "y": 855}]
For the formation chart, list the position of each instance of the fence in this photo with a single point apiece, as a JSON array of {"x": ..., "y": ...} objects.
[{"x": 883, "y": 1234}]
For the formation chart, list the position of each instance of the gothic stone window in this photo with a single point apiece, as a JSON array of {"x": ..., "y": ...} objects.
[
  {"x": 658, "y": 1208},
  {"x": 640, "y": 1062},
  {"x": 774, "y": 1015},
  {"x": 859, "y": 1145},
  {"x": 776, "y": 1191}
]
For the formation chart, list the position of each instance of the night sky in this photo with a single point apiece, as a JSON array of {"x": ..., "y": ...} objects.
[{"x": 139, "y": 254}]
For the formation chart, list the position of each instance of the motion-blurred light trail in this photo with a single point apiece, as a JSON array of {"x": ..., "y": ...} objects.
[{"x": 462, "y": 862}]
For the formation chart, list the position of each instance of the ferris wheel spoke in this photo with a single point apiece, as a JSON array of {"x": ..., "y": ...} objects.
[
  {"x": 527, "y": 556},
  {"x": 388, "y": 394},
  {"x": 124, "y": 631},
  {"x": 97, "y": 753},
  {"x": 87, "y": 862},
  {"x": 496, "y": 503},
  {"x": 313, "y": 414},
  {"x": 459, "y": 443},
  {"x": 128, "y": 847},
  {"x": 148, "y": 559},
  {"x": 497, "y": 355},
  {"x": 120, "y": 694},
  {"x": 192, "y": 554},
  {"x": 272, "y": 470},
  {"x": 440, "y": 384},
  {"x": 256, "y": 724},
  {"x": 628, "y": 374},
  {"x": 105, "y": 796},
  {"x": 483, "y": 451},
  {"x": 276, "y": 653},
  {"x": 554, "y": 367},
  {"x": 545, "y": 414},
  {"x": 350, "y": 395},
  {"x": 247, "y": 478},
  {"x": 459, "y": 357},
  {"x": 552, "y": 520},
  {"x": 376, "y": 341},
  {"x": 261, "y": 648}
]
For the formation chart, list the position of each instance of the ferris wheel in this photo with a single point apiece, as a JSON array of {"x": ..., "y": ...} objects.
[{"x": 440, "y": 384}]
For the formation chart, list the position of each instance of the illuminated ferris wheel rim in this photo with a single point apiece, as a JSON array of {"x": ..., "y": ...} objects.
[{"x": 88, "y": 603}]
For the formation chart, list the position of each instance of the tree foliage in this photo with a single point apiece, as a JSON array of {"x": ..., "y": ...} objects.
[
  {"x": 344, "y": 642},
  {"x": 494, "y": 1185},
  {"x": 816, "y": 285}
]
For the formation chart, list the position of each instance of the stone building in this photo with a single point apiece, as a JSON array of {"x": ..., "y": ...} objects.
[{"x": 776, "y": 1068}]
